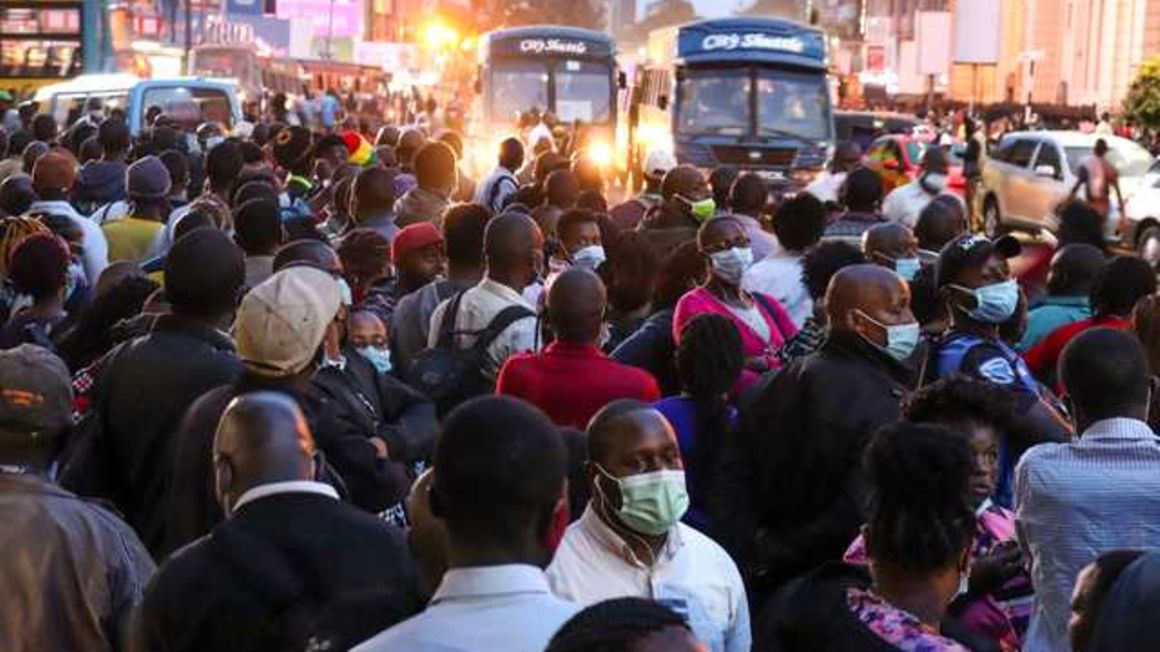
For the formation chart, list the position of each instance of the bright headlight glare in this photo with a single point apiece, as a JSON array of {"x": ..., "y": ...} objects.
[{"x": 600, "y": 153}]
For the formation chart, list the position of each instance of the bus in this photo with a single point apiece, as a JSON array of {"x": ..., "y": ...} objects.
[
  {"x": 256, "y": 75},
  {"x": 748, "y": 92},
  {"x": 567, "y": 71}
]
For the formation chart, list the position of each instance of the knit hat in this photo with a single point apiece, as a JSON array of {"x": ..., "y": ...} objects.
[
  {"x": 412, "y": 237},
  {"x": 283, "y": 320},
  {"x": 147, "y": 178},
  {"x": 204, "y": 271},
  {"x": 360, "y": 150},
  {"x": 292, "y": 145},
  {"x": 35, "y": 398},
  {"x": 56, "y": 169}
]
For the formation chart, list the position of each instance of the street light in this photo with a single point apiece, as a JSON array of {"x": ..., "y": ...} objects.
[{"x": 437, "y": 35}]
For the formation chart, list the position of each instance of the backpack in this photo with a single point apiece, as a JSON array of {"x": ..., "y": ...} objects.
[{"x": 449, "y": 375}]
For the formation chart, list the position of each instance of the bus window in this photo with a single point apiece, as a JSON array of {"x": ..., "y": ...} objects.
[
  {"x": 517, "y": 87},
  {"x": 793, "y": 104},
  {"x": 715, "y": 102},
  {"x": 190, "y": 106},
  {"x": 583, "y": 92}
]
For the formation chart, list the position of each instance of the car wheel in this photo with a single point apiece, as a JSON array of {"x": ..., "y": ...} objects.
[
  {"x": 992, "y": 220},
  {"x": 1148, "y": 246}
]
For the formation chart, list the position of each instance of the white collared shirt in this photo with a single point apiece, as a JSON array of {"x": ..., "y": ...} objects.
[
  {"x": 288, "y": 487},
  {"x": 779, "y": 275},
  {"x": 506, "y": 608},
  {"x": 692, "y": 575},
  {"x": 477, "y": 309}
]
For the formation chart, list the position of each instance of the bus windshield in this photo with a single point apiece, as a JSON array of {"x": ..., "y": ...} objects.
[
  {"x": 790, "y": 104},
  {"x": 714, "y": 102},
  {"x": 190, "y": 106},
  {"x": 517, "y": 87},
  {"x": 583, "y": 92},
  {"x": 220, "y": 63}
]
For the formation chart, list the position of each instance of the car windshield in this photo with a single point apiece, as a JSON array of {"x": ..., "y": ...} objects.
[
  {"x": 714, "y": 102},
  {"x": 583, "y": 91},
  {"x": 518, "y": 87},
  {"x": 190, "y": 106},
  {"x": 1130, "y": 159},
  {"x": 790, "y": 104}
]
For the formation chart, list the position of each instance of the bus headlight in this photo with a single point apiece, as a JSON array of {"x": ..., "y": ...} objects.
[{"x": 600, "y": 153}]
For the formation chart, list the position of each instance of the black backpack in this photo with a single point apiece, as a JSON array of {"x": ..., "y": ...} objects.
[{"x": 449, "y": 375}]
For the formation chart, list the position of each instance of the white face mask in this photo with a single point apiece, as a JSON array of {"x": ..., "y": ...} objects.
[
  {"x": 589, "y": 257},
  {"x": 730, "y": 265}
]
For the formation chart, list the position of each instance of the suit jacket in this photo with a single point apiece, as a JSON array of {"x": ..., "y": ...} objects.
[{"x": 287, "y": 568}]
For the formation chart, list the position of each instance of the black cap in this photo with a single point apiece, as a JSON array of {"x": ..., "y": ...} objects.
[
  {"x": 292, "y": 145},
  {"x": 971, "y": 250}
]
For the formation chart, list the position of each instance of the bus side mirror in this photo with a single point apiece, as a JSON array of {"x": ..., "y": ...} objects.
[
  {"x": 621, "y": 80},
  {"x": 663, "y": 102}
]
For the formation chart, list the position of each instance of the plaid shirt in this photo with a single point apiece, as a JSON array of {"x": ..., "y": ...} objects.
[{"x": 806, "y": 341}]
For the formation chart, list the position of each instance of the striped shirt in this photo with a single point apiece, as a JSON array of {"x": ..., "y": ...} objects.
[{"x": 1075, "y": 501}]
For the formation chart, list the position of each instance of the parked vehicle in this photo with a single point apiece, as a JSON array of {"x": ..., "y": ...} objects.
[
  {"x": 898, "y": 159},
  {"x": 864, "y": 127},
  {"x": 1031, "y": 173}
]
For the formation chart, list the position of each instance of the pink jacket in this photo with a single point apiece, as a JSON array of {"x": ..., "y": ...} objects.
[{"x": 781, "y": 327}]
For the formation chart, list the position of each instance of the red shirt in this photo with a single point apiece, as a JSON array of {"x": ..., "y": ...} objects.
[
  {"x": 570, "y": 382},
  {"x": 1043, "y": 357}
]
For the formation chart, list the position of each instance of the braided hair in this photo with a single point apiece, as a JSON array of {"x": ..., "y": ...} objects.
[
  {"x": 12, "y": 231},
  {"x": 614, "y": 626},
  {"x": 709, "y": 362},
  {"x": 920, "y": 516}
]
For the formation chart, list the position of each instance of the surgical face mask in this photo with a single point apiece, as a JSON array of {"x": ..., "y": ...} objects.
[
  {"x": 995, "y": 303},
  {"x": 702, "y": 210},
  {"x": 380, "y": 358},
  {"x": 907, "y": 268},
  {"x": 589, "y": 257},
  {"x": 650, "y": 503},
  {"x": 934, "y": 182},
  {"x": 901, "y": 339},
  {"x": 730, "y": 265}
]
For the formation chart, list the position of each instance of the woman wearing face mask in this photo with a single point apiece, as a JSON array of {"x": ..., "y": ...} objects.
[
  {"x": 763, "y": 323},
  {"x": 918, "y": 536},
  {"x": 975, "y": 283}
]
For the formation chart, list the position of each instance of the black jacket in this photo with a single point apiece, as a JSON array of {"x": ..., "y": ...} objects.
[
  {"x": 143, "y": 387},
  {"x": 285, "y": 569},
  {"x": 790, "y": 491},
  {"x": 651, "y": 348},
  {"x": 811, "y": 614}
]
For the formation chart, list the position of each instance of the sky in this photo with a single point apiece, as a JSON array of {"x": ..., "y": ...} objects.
[{"x": 717, "y": 8}]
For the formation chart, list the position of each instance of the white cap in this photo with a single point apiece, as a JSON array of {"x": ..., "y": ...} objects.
[{"x": 658, "y": 163}]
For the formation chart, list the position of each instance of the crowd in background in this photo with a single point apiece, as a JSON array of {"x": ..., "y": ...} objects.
[{"x": 287, "y": 390}]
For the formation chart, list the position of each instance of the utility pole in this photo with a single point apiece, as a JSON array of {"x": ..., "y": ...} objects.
[{"x": 188, "y": 33}]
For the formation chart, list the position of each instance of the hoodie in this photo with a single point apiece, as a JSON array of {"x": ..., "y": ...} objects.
[
  {"x": 420, "y": 205},
  {"x": 99, "y": 183}
]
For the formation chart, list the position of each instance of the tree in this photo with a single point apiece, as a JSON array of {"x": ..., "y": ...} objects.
[{"x": 1142, "y": 105}]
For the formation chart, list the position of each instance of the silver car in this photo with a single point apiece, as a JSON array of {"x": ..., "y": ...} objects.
[{"x": 1031, "y": 172}]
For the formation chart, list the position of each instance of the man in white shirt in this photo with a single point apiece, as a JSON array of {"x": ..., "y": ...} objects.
[
  {"x": 1098, "y": 493},
  {"x": 495, "y": 191},
  {"x": 499, "y": 488},
  {"x": 904, "y": 204},
  {"x": 827, "y": 185},
  {"x": 630, "y": 541},
  {"x": 514, "y": 248},
  {"x": 799, "y": 225}
]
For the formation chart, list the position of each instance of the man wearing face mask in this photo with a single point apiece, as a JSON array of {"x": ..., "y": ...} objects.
[
  {"x": 894, "y": 247},
  {"x": 904, "y": 204},
  {"x": 790, "y": 491},
  {"x": 687, "y": 203},
  {"x": 630, "y": 541},
  {"x": 271, "y": 566},
  {"x": 975, "y": 282}
]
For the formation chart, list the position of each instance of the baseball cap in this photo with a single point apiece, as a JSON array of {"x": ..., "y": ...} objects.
[
  {"x": 282, "y": 321},
  {"x": 412, "y": 237},
  {"x": 972, "y": 250},
  {"x": 292, "y": 145},
  {"x": 35, "y": 397},
  {"x": 658, "y": 163}
]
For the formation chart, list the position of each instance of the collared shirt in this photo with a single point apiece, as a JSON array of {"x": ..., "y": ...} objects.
[
  {"x": 287, "y": 487},
  {"x": 904, "y": 203},
  {"x": 1053, "y": 313},
  {"x": 478, "y": 307},
  {"x": 507, "y": 608},
  {"x": 779, "y": 275},
  {"x": 96, "y": 253},
  {"x": 1077, "y": 500},
  {"x": 691, "y": 575}
]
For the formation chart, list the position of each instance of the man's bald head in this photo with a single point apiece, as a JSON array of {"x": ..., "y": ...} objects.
[
  {"x": 684, "y": 180},
  {"x": 867, "y": 288},
  {"x": 262, "y": 438},
  {"x": 936, "y": 160},
  {"x": 511, "y": 243},
  {"x": 941, "y": 221},
  {"x": 884, "y": 243},
  {"x": 576, "y": 304}
]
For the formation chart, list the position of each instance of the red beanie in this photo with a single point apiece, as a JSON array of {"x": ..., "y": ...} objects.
[{"x": 412, "y": 237}]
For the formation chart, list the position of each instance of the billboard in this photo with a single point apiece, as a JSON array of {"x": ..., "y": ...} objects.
[
  {"x": 977, "y": 32},
  {"x": 933, "y": 37}
]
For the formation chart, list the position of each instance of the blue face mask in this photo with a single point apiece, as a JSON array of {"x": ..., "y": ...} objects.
[
  {"x": 907, "y": 268},
  {"x": 901, "y": 339},
  {"x": 380, "y": 359},
  {"x": 995, "y": 303}
]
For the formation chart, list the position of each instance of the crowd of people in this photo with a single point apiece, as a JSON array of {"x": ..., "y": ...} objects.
[{"x": 296, "y": 391}]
